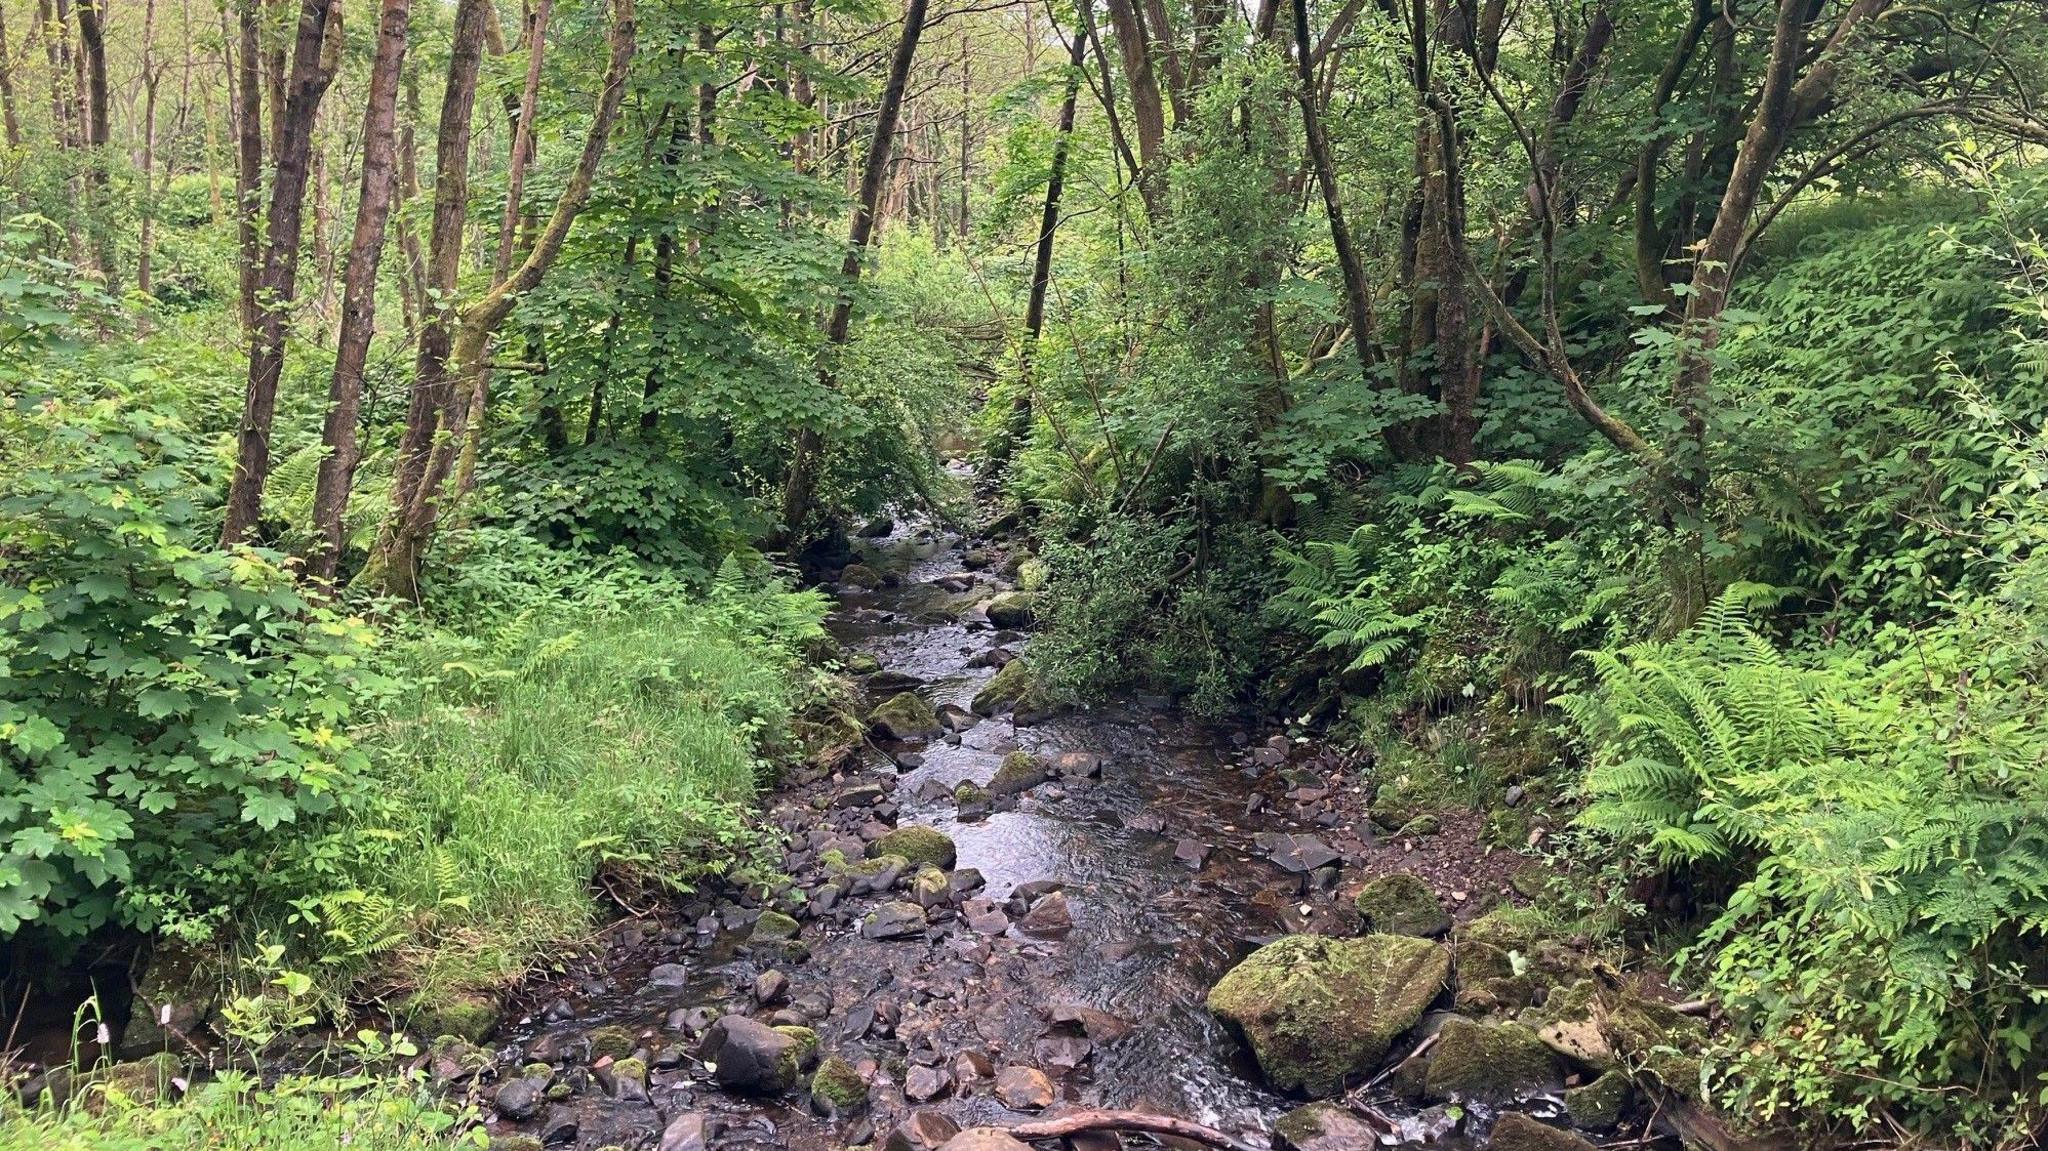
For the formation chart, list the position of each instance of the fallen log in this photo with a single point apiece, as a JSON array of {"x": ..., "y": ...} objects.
[{"x": 1076, "y": 1122}]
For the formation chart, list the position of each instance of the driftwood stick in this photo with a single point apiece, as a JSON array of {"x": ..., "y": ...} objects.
[{"x": 1076, "y": 1122}]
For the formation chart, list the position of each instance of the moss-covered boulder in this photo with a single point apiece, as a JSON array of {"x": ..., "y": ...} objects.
[
  {"x": 1515, "y": 1131},
  {"x": 1570, "y": 1024},
  {"x": 137, "y": 1083},
  {"x": 1490, "y": 979},
  {"x": 803, "y": 1045},
  {"x": 904, "y": 715},
  {"x": 861, "y": 576},
  {"x": 839, "y": 1085},
  {"x": 465, "y": 1015},
  {"x": 1599, "y": 1105},
  {"x": 612, "y": 1042},
  {"x": 1315, "y": 1011},
  {"x": 1656, "y": 1040},
  {"x": 1402, "y": 904},
  {"x": 1488, "y": 1063},
  {"x": 179, "y": 988},
  {"x": 1018, "y": 690},
  {"x": 1020, "y": 772},
  {"x": 773, "y": 927},
  {"x": 1015, "y": 609},
  {"x": 917, "y": 845}
]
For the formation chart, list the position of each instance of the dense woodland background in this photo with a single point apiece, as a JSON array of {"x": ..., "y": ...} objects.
[{"x": 1635, "y": 402}]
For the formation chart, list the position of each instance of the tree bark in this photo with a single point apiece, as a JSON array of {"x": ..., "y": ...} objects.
[
  {"x": 1019, "y": 428},
  {"x": 248, "y": 152},
  {"x": 7, "y": 109},
  {"x": 92, "y": 41},
  {"x": 1147, "y": 106},
  {"x": 315, "y": 55},
  {"x": 436, "y": 440},
  {"x": 359, "y": 293},
  {"x": 799, "y": 491},
  {"x": 146, "y": 211},
  {"x": 522, "y": 137},
  {"x": 1357, "y": 292}
]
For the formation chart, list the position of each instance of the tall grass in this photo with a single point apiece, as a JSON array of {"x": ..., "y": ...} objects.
[{"x": 231, "y": 1114}]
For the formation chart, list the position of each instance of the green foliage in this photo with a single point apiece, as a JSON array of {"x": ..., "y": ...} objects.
[{"x": 169, "y": 710}]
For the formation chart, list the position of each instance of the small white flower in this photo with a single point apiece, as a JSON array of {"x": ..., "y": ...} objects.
[
  {"x": 106, "y": 1036},
  {"x": 163, "y": 1015}
]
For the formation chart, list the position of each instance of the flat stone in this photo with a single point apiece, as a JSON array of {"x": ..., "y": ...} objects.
[
  {"x": 1024, "y": 1089},
  {"x": 668, "y": 975}
]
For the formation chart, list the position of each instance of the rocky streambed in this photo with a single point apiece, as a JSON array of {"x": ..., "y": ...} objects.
[{"x": 1002, "y": 912}]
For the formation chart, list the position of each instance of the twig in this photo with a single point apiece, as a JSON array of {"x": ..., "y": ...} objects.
[
  {"x": 1411, "y": 1057},
  {"x": 1079, "y": 1121}
]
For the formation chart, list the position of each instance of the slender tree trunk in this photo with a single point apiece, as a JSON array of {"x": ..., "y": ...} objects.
[
  {"x": 1357, "y": 292},
  {"x": 248, "y": 152},
  {"x": 522, "y": 137},
  {"x": 146, "y": 209},
  {"x": 359, "y": 293},
  {"x": 407, "y": 536},
  {"x": 7, "y": 109},
  {"x": 800, "y": 490},
  {"x": 315, "y": 54},
  {"x": 1019, "y": 430}
]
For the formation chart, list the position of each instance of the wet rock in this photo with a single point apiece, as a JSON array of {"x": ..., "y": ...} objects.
[
  {"x": 450, "y": 1059},
  {"x": 519, "y": 1099},
  {"x": 930, "y": 888},
  {"x": 668, "y": 976},
  {"x": 923, "y": 1130},
  {"x": 1016, "y": 689},
  {"x": 612, "y": 1042},
  {"x": 965, "y": 881},
  {"x": 1024, "y": 895},
  {"x": 751, "y": 1057},
  {"x": 877, "y": 528},
  {"x": 773, "y": 926},
  {"x": 1569, "y": 1024},
  {"x": 859, "y": 795},
  {"x": 972, "y": 801},
  {"x": 969, "y": 1066},
  {"x": 1063, "y": 1052},
  {"x": 924, "y": 1084},
  {"x": 839, "y": 1084},
  {"x": 1049, "y": 916},
  {"x": 1655, "y": 1039},
  {"x": 860, "y": 576},
  {"x": 1149, "y": 823},
  {"x": 917, "y": 845},
  {"x": 626, "y": 1080},
  {"x": 1099, "y": 1026},
  {"x": 862, "y": 663},
  {"x": 468, "y": 1015},
  {"x": 689, "y": 1131},
  {"x": 984, "y": 917},
  {"x": 1024, "y": 1089},
  {"x": 1020, "y": 772},
  {"x": 561, "y": 1126},
  {"x": 984, "y": 1139},
  {"x": 1298, "y": 854},
  {"x": 1515, "y": 1131},
  {"x": 1402, "y": 904},
  {"x": 1323, "y": 1127},
  {"x": 1599, "y": 1105},
  {"x": 1488, "y": 1062},
  {"x": 172, "y": 1001},
  {"x": 770, "y": 987},
  {"x": 1078, "y": 765},
  {"x": 1191, "y": 853},
  {"x": 932, "y": 790},
  {"x": 1315, "y": 1010},
  {"x": 904, "y": 715},
  {"x": 896, "y": 919},
  {"x": 955, "y": 582},
  {"x": 1013, "y": 609},
  {"x": 955, "y": 718}
]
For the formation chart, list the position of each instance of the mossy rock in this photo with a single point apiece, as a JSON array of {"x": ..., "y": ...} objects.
[
  {"x": 137, "y": 1083},
  {"x": 773, "y": 926},
  {"x": 862, "y": 663},
  {"x": 1488, "y": 1063},
  {"x": 180, "y": 983},
  {"x": 1428, "y": 823},
  {"x": 917, "y": 845},
  {"x": 860, "y": 575},
  {"x": 465, "y": 1015},
  {"x": 1322, "y": 1127},
  {"x": 1402, "y": 904},
  {"x": 803, "y": 1049},
  {"x": 1013, "y": 609},
  {"x": 1489, "y": 979},
  {"x": 1033, "y": 575},
  {"x": 1507, "y": 827},
  {"x": 1315, "y": 1011},
  {"x": 1515, "y": 1131},
  {"x": 1012, "y": 682},
  {"x": 837, "y": 1083},
  {"x": 1020, "y": 772},
  {"x": 515, "y": 1143},
  {"x": 1656, "y": 1040},
  {"x": 905, "y": 715},
  {"x": 1599, "y": 1105},
  {"x": 611, "y": 1040},
  {"x": 971, "y": 794}
]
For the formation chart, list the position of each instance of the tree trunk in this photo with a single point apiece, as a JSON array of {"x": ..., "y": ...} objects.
[
  {"x": 522, "y": 138},
  {"x": 1147, "y": 107},
  {"x": 359, "y": 293},
  {"x": 1357, "y": 293},
  {"x": 248, "y": 152},
  {"x": 799, "y": 491},
  {"x": 146, "y": 209},
  {"x": 7, "y": 109},
  {"x": 1019, "y": 429},
  {"x": 92, "y": 58},
  {"x": 406, "y": 537},
  {"x": 315, "y": 54}
]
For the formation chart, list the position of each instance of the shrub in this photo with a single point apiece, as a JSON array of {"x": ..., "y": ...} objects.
[{"x": 168, "y": 710}]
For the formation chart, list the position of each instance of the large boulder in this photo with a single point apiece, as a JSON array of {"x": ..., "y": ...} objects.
[
  {"x": 1489, "y": 1063},
  {"x": 752, "y": 1057},
  {"x": 1013, "y": 609},
  {"x": 916, "y": 845},
  {"x": 1015, "y": 689},
  {"x": 1020, "y": 772},
  {"x": 905, "y": 715},
  {"x": 1658, "y": 1041},
  {"x": 1402, "y": 904},
  {"x": 177, "y": 993},
  {"x": 1315, "y": 1011}
]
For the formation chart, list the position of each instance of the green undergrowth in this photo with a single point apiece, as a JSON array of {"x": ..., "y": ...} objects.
[{"x": 236, "y": 1113}]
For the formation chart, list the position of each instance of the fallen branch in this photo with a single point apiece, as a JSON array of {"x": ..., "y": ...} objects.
[
  {"x": 1420, "y": 1049},
  {"x": 1079, "y": 1121}
]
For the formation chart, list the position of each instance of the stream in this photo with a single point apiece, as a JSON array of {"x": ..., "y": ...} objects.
[{"x": 1174, "y": 863}]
